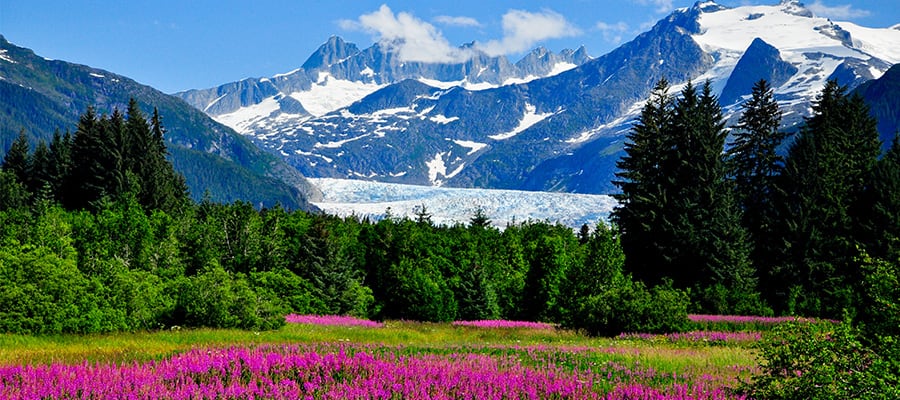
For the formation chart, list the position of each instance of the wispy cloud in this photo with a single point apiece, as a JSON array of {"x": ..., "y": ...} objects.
[
  {"x": 842, "y": 11},
  {"x": 612, "y": 33},
  {"x": 523, "y": 29},
  {"x": 662, "y": 6},
  {"x": 457, "y": 21},
  {"x": 411, "y": 38}
]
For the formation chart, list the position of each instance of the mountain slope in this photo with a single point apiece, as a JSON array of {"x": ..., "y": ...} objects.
[
  {"x": 339, "y": 73},
  {"x": 41, "y": 96},
  {"x": 561, "y": 132},
  {"x": 883, "y": 96}
]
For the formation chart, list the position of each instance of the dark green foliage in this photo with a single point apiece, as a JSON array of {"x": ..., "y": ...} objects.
[
  {"x": 879, "y": 207},
  {"x": 602, "y": 300},
  {"x": 18, "y": 160},
  {"x": 678, "y": 214},
  {"x": 755, "y": 167},
  {"x": 642, "y": 201},
  {"x": 825, "y": 177},
  {"x": 218, "y": 299},
  {"x": 419, "y": 292},
  {"x": 13, "y": 194}
]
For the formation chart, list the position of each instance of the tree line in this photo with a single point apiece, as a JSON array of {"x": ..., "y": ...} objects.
[{"x": 98, "y": 234}]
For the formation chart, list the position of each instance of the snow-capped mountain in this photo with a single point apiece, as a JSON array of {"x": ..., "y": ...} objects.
[
  {"x": 480, "y": 125},
  {"x": 338, "y": 73}
]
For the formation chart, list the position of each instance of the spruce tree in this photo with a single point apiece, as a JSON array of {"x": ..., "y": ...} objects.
[
  {"x": 642, "y": 201},
  {"x": 167, "y": 189},
  {"x": 677, "y": 214},
  {"x": 880, "y": 207},
  {"x": 824, "y": 178},
  {"x": 755, "y": 167},
  {"x": 710, "y": 251},
  {"x": 40, "y": 169},
  {"x": 86, "y": 183},
  {"x": 60, "y": 165},
  {"x": 18, "y": 159}
]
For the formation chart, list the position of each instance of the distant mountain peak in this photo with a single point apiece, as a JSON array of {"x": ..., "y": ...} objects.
[
  {"x": 795, "y": 7},
  {"x": 333, "y": 51},
  {"x": 708, "y": 6}
]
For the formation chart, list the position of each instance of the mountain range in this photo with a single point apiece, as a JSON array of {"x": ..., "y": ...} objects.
[
  {"x": 549, "y": 122},
  {"x": 41, "y": 96}
]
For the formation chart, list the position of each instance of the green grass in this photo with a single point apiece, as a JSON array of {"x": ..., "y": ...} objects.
[{"x": 725, "y": 363}]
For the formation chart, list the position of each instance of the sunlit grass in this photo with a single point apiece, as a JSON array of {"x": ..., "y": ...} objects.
[
  {"x": 614, "y": 361},
  {"x": 143, "y": 346}
]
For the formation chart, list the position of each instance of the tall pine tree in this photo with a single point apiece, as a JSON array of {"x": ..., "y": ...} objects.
[
  {"x": 677, "y": 211},
  {"x": 642, "y": 200},
  {"x": 755, "y": 167},
  {"x": 824, "y": 179},
  {"x": 880, "y": 207},
  {"x": 18, "y": 159}
]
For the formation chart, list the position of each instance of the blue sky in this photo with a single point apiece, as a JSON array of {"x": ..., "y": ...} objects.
[{"x": 176, "y": 45}]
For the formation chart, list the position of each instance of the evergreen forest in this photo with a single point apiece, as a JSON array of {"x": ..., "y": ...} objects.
[{"x": 99, "y": 234}]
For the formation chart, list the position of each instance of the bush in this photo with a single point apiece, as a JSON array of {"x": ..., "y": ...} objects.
[
  {"x": 629, "y": 306},
  {"x": 821, "y": 361},
  {"x": 216, "y": 299}
]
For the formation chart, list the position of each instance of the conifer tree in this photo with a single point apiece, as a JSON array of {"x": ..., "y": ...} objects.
[
  {"x": 85, "y": 183},
  {"x": 880, "y": 206},
  {"x": 710, "y": 247},
  {"x": 823, "y": 182},
  {"x": 40, "y": 169},
  {"x": 166, "y": 188},
  {"x": 18, "y": 159},
  {"x": 755, "y": 167},
  {"x": 677, "y": 212},
  {"x": 60, "y": 165},
  {"x": 642, "y": 200}
]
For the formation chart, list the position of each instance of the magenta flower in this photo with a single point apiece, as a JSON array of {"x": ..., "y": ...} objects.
[
  {"x": 331, "y": 320},
  {"x": 504, "y": 324}
]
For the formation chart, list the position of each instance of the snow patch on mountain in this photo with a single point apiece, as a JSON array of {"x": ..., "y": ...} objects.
[
  {"x": 472, "y": 146},
  {"x": 436, "y": 167},
  {"x": 530, "y": 118},
  {"x": 6, "y": 57},
  {"x": 441, "y": 119},
  {"x": 244, "y": 118},
  {"x": 453, "y": 205},
  {"x": 329, "y": 94}
]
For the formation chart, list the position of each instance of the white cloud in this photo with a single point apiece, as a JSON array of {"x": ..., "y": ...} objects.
[
  {"x": 411, "y": 38},
  {"x": 457, "y": 21},
  {"x": 522, "y": 29},
  {"x": 662, "y": 6},
  {"x": 612, "y": 32},
  {"x": 844, "y": 11}
]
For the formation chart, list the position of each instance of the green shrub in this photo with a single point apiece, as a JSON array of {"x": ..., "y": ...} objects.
[
  {"x": 214, "y": 298},
  {"x": 628, "y": 306},
  {"x": 822, "y": 361}
]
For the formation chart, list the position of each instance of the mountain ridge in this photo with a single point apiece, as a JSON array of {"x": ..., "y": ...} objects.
[
  {"x": 561, "y": 132},
  {"x": 41, "y": 96}
]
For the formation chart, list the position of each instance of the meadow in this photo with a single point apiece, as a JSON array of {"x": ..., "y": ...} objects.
[{"x": 331, "y": 357}]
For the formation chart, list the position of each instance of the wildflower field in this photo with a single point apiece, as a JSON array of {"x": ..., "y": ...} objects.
[{"x": 340, "y": 358}]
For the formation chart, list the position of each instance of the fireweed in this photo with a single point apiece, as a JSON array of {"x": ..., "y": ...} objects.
[
  {"x": 734, "y": 323},
  {"x": 331, "y": 320},
  {"x": 706, "y": 337},
  {"x": 333, "y": 371},
  {"x": 504, "y": 324}
]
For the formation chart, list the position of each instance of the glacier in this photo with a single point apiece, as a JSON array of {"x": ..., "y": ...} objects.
[{"x": 449, "y": 206}]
